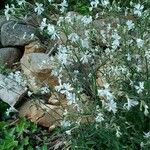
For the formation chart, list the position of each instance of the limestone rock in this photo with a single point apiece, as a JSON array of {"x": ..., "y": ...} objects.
[
  {"x": 56, "y": 99},
  {"x": 34, "y": 47},
  {"x": 43, "y": 114},
  {"x": 9, "y": 55},
  {"x": 37, "y": 68},
  {"x": 50, "y": 115},
  {"x": 10, "y": 91},
  {"x": 15, "y": 34}
]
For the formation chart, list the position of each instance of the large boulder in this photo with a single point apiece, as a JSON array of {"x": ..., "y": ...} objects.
[
  {"x": 9, "y": 55},
  {"x": 15, "y": 34},
  {"x": 44, "y": 114},
  {"x": 11, "y": 91},
  {"x": 37, "y": 68}
]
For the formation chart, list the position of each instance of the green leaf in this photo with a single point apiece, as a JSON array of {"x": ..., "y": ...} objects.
[
  {"x": 9, "y": 143},
  {"x": 44, "y": 147},
  {"x": 25, "y": 141},
  {"x": 2, "y": 125},
  {"x": 23, "y": 124}
]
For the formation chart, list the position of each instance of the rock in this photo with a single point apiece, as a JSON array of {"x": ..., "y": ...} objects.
[
  {"x": 9, "y": 55},
  {"x": 51, "y": 115},
  {"x": 43, "y": 114},
  {"x": 10, "y": 90},
  {"x": 2, "y": 20},
  {"x": 34, "y": 47},
  {"x": 100, "y": 80},
  {"x": 56, "y": 99},
  {"x": 102, "y": 31},
  {"x": 37, "y": 68},
  {"x": 15, "y": 34},
  {"x": 62, "y": 39},
  {"x": 33, "y": 20}
]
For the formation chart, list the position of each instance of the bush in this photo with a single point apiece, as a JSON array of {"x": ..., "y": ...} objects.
[{"x": 103, "y": 70}]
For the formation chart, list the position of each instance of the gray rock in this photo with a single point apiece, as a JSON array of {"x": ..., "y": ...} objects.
[
  {"x": 2, "y": 20},
  {"x": 33, "y": 20},
  {"x": 8, "y": 56},
  {"x": 37, "y": 67},
  {"x": 15, "y": 34},
  {"x": 10, "y": 90}
]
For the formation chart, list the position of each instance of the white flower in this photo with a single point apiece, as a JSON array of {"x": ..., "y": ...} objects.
[
  {"x": 115, "y": 44},
  {"x": 29, "y": 93},
  {"x": 146, "y": 112},
  {"x": 99, "y": 118},
  {"x": 43, "y": 24},
  {"x": 105, "y": 2},
  {"x": 55, "y": 36},
  {"x": 116, "y": 36},
  {"x": 62, "y": 55},
  {"x": 21, "y": 2},
  {"x": 32, "y": 36},
  {"x": 65, "y": 113},
  {"x": 140, "y": 88},
  {"x": 128, "y": 57},
  {"x": 116, "y": 40},
  {"x": 73, "y": 37},
  {"x": 118, "y": 133},
  {"x": 39, "y": 8},
  {"x": 68, "y": 132},
  {"x": 147, "y": 54},
  {"x": 85, "y": 58},
  {"x": 50, "y": 1},
  {"x": 138, "y": 9},
  {"x": 96, "y": 16},
  {"x": 52, "y": 32},
  {"x": 63, "y": 5},
  {"x": 69, "y": 19},
  {"x": 94, "y": 3},
  {"x": 130, "y": 103},
  {"x": 50, "y": 29},
  {"x": 71, "y": 97},
  {"x": 8, "y": 11},
  {"x": 130, "y": 24},
  {"x": 142, "y": 144},
  {"x": 111, "y": 106},
  {"x": 106, "y": 93},
  {"x": 85, "y": 43},
  {"x": 60, "y": 20},
  {"x": 86, "y": 20},
  {"x": 139, "y": 68},
  {"x": 147, "y": 135},
  {"x": 140, "y": 43},
  {"x": 64, "y": 88},
  {"x": 103, "y": 34},
  {"x": 44, "y": 90},
  {"x": 65, "y": 123},
  {"x": 9, "y": 110}
]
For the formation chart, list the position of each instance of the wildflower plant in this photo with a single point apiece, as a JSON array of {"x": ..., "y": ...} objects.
[{"x": 103, "y": 70}]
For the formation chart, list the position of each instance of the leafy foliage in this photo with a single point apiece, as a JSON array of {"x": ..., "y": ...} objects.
[{"x": 19, "y": 135}]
